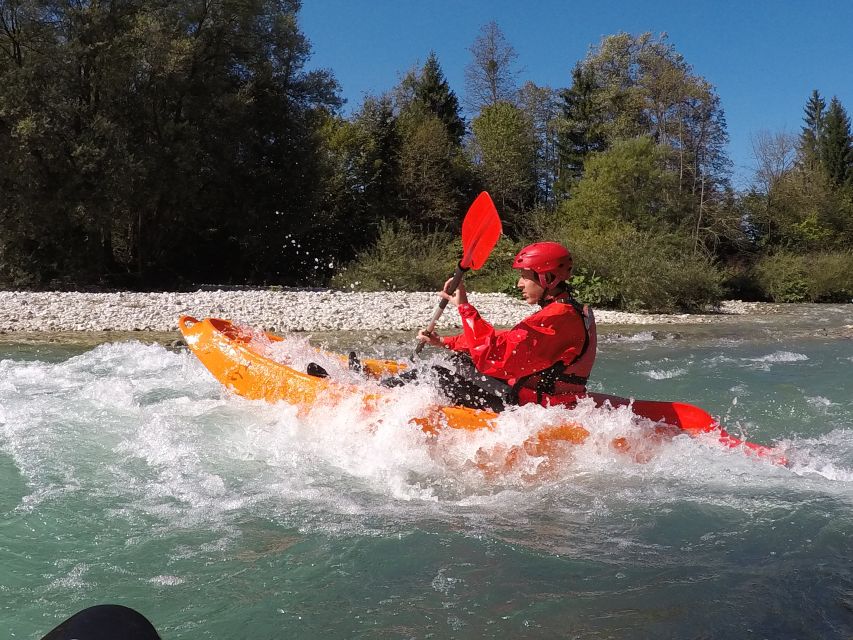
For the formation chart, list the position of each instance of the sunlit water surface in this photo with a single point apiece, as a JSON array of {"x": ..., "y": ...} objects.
[{"x": 127, "y": 475}]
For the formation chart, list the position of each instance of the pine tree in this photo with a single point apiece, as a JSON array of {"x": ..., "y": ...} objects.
[
  {"x": 581, "y": 132},
  {"x": 433, "y": 92},
  {"x": 836, "y": 145},
  {"x": 811, "y": 132}
]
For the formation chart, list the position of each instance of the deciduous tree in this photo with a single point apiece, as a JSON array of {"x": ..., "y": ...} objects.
[
  {"x": 775, "y": 155},
  {"x": 628, "y": 183},
  {"x": 541, "y": 106},
  {"x": 504, "y": 145},
  {"x": 362, "y": 176},
  {"x": 490, "y": 76},
  {"x": 148, "y": 139}
]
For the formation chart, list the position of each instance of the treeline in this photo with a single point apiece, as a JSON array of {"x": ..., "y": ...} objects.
[{"x": 152, "y": 144}]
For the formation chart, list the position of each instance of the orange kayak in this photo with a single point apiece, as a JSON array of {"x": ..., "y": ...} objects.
[
  {"x": 230, "y": 352},
  {"x": 226, "y": 350}
]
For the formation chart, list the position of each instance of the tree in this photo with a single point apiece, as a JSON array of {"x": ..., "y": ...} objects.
[
  {"x": 836, "y": 146},
  {"x": 361, "y": 176},
  {"x": 704, "y": 168},
  {"x": 504, "y": 147},
  {"x": 433, "y": 93},
  {"x": 628, "y": 183},
  {"x": 434, "y": 173},
  {"x": 148, "y": 139},
  {"x": 613, "y": 68},
  {"x": 581, "y": 129},
  {"x": 775, "y": 156},
  {"x": 540, "y": 104},
  {"x": 490, "y": 77},
  {"x": 812, "y": 132},
  {"x": 666, "y": 87},
  {"x": 640, "y": 85},
  {"x": 807, "y": 212},
  {"x": 66, "y": 171},
  {"x": 803, "y": 205},
  {"x": 702, "y": 143}
]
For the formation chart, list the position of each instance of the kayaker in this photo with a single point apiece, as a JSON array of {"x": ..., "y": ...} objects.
[{"x": 547, "y": 357}]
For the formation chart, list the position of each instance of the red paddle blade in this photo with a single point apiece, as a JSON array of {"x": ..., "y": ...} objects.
[{"x": 481, "y": 229}]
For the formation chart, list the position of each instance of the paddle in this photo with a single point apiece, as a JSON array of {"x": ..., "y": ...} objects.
[{"x": 481, "y": 229}]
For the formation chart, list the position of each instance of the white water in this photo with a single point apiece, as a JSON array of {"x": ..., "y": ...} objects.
[{"x": 151, "y": 427}]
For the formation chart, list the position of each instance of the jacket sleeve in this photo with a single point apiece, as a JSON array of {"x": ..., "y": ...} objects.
[
  {"x": 456, "y": 343},
  {"x": 473, "y": 329},
  {"x": 532, "y": 345}
]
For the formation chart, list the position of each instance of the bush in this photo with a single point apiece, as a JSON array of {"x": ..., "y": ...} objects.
[
  {"x": 406, "y": 259},
  {"x": 402, "y": 258},
  {"x": 619, "y": 266},
  {"x": 810, "y": 277},
  {"x": 616, "y": 266},
  {"x": 591, "y": 288},
  {"x": 497, "y": 274}
]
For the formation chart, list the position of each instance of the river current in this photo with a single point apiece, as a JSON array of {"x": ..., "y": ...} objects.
[{"x": 128, "y": 475}]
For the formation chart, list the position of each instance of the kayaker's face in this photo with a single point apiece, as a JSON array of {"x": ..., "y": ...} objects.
[{"x": 531, "y": 290}]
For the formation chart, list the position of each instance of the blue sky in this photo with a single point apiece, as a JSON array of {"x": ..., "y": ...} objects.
[{"x": 764, "y": 57}]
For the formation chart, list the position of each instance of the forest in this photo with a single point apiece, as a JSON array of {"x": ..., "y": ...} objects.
[{"x": 152, "y": 145}]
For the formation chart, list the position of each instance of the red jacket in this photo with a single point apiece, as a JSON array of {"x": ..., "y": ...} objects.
[{"x": 555, "y": 333}]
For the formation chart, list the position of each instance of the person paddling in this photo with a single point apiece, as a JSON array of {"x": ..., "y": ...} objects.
[{"x": 546, "y": 358}]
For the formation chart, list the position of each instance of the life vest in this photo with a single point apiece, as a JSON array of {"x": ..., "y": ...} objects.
[{"x": 568, "y": 376}]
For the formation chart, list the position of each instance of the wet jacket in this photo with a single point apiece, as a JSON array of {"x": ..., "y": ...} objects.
[{"x": 551, "y": 352}]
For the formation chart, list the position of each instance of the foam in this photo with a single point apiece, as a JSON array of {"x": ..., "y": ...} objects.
[
  {"x": 665, "y": 374},
  {"x": 780, "y": 357},
  {"x": 166, "y": 581}
]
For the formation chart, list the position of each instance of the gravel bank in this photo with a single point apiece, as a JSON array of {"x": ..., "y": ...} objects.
[{"x": 283, "y": 311}]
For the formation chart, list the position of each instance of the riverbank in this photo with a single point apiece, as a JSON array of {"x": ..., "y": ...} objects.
[
  {"x": 102, "y": 317},
  {"x": 284, "y": 310}
]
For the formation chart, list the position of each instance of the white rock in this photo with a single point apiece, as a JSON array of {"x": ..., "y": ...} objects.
[{"x": 286, "y": 310}]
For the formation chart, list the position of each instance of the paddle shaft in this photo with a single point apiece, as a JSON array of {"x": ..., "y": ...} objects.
[{"x": 442, "y": 304}]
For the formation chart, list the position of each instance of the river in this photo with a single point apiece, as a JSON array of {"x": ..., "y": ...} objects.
[{"x": 127, "y": 475}]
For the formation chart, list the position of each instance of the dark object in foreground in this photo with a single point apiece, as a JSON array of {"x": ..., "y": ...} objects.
[{"x": 105, "y": 622}]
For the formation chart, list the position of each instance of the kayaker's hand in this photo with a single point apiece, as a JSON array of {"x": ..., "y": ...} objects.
[
  {"x": 430, "y": 338},
  {"x": 459, "y": 296}
]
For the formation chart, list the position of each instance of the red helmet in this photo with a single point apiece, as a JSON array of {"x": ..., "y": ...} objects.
[{"x": 543, "y": 258}]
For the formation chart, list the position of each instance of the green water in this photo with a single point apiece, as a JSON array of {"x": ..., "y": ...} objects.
[{"x": 127, "y": 476}]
